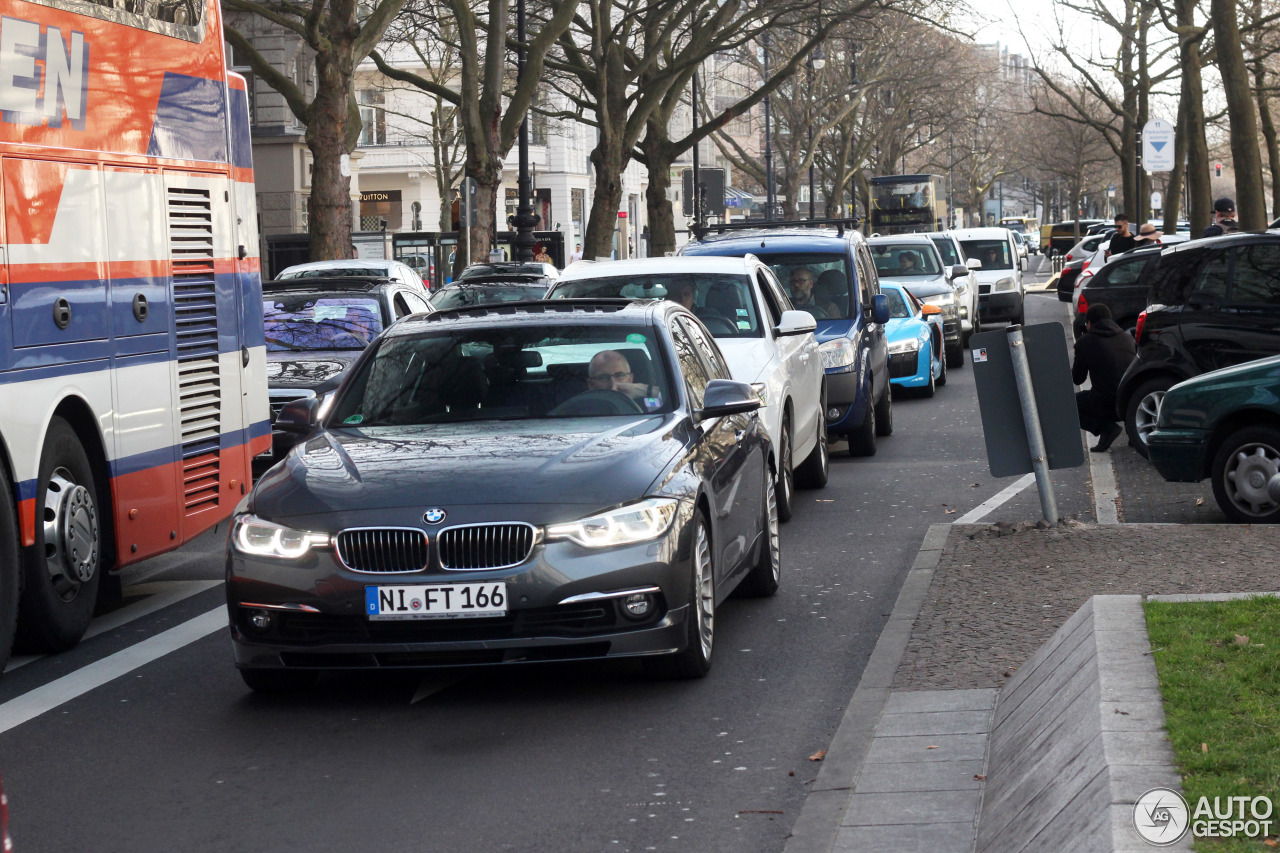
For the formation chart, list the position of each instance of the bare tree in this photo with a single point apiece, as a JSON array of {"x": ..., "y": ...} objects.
[
  {"x": 341, "y": 33},
  {"x": 491, "y": 105}
]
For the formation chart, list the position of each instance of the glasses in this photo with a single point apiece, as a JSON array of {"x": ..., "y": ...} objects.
[{"x": 619, "y": 376}]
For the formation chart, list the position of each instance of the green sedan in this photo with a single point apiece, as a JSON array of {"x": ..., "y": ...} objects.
[{"x": 1225, "y": 425}]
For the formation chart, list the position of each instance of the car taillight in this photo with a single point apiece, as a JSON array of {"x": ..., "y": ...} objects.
[
  {"x": 1082, "y": 307},
  {"x": 1137, "y": 332}
]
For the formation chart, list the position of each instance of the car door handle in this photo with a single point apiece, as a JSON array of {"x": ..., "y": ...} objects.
[{"x": 738, "y": 435}]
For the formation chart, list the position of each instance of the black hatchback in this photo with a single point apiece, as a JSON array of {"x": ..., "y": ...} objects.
[
  {"x": 1211, "y": 303},
  {"x": 539, "y": 481},
  {"x": 1121, "y": 284}
]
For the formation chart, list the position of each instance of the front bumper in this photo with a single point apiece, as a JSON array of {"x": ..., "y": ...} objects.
[
  {"x": 910, "y": 369},
  {"x": 1181, "y": 456},
  {"x": 1005, "y": 305},
  {"x": 325, "y": 626}
]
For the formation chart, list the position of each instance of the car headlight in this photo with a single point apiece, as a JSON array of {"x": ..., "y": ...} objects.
[
  {"x": 1003, "y": 284},
  {"x": 260, "y": 538},
  {"x": 942, "y": 300},
  {"x": 899, "y": 347},
  {"x": 762, "y": 391},
  {"x": 626, "y": 525},
  {"x": 838, "y": 352}
]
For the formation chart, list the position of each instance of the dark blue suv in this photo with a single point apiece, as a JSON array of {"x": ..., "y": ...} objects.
[{"x": 828, "y": 272}]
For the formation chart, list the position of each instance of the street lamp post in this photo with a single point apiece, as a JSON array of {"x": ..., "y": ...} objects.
[
  {"x": 951, "y": 179},
  {"x": 525, "y": 219},
  {"x": 816, "y": 63},
  {"x": 768, "y": 138}
]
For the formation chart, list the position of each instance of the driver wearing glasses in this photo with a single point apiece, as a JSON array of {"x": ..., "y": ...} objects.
[{"x": 609, "y": 370}]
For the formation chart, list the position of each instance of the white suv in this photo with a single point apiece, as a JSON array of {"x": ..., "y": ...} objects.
[
  {"x": 1000, "y": 289},
  {"x": 764, "y": 340}
]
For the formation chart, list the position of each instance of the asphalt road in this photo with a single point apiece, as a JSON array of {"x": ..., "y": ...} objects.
[{"x": 142, "y": 740}]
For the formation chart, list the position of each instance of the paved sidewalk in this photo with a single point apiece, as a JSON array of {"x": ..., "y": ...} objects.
[{"x": 907, "y": 768}]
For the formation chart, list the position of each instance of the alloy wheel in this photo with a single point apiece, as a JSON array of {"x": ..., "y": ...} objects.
[
  {"x": 704, "y": 591},
  {"x": 1147, "y": 414}
]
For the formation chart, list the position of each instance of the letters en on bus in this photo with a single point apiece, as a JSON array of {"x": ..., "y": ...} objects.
[{"x": 44, "y": 74}]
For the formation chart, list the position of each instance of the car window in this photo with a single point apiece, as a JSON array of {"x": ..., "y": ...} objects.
[
  {"x": 1257, "y": 275},
  {"x": 354, "y": 271},
  {"x": 1212, "y": 278},
  {"x": 950, "y": 256},
  {"x": 774, "y": 288},
  {"x": 298, "y": 322},
  {"x": 417, "y": 303},
  {"x": 715, "y": 361},
  {"x": 695, "y": 374},
  {"x": 898, "y": 308},
  {"x": 993, "y": 254},
  {"x": 905, "y": 260},
  {"x": 400, "y": 307},
  {"x": 465, "y": 295},
  {"x": 1123, "y": 273},
  {"x": 868, "y": 282},
  {"x": 771, "y": 303},
  {"x": 519, "y": 372},
  {"x": 817, "y": 282},
  {"x": 724, "y": 302}
]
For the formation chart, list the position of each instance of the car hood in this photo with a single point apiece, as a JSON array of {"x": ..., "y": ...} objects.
[
  {"x": 593, "y": 462},
  {"x": 992, "y": 276},
  {"x": 922, "y": 287},
  {"x": 903, "y": 329},
  {"x": 307, "y": 369},
  {"x": 749, "y": 358}
]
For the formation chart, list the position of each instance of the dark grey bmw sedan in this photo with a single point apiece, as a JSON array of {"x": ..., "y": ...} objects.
[{"x": 544, "y": 481}]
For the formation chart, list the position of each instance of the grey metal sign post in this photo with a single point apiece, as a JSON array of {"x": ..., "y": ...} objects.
[{"x": 1027, "y": 401}]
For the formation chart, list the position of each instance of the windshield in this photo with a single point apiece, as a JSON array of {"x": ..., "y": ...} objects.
[
  {"x": 521, "y": 373},
  {"x": 723, "y": 302},
  {"x": 502, "y": 269},
  {"x": 994, "y": 254},
  {"x": 486, "y": 294},
  {"x": 950, "y": 256},
  {"x": 309, "y": 322},
  {"x": 898, "y": 308},
  {"x": 905, "y": 260},
  {"x": 817, "y": 282},
  {"x": 337, "y": 272},
  {"x": 1015, "y": 225}
]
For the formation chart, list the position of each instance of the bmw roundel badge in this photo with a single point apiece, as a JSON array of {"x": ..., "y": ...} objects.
[{"x": 435, "y": 515}]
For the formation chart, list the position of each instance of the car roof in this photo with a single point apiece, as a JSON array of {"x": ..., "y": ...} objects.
[
  {"x": 525, "y": 268},
  {"x": 881, "y": 239},
  {"x": 660, "y": 266},
  {"x": 371, "y": 263},
  {"x": 986, "y": 233},
  {"x": 766, "y": 241},
  {"x": 332, "y": 284},
  {"x": 558, "y": 311}
]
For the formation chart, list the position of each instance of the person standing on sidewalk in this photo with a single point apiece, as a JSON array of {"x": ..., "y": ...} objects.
[
  {"x": 1123, "y": 240},
  {"x": 1102, "y": 355},
  {"x": 1224, "y": 219}
]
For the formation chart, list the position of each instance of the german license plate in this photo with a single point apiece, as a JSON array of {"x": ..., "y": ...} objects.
[{"x": 436, "y": 601}]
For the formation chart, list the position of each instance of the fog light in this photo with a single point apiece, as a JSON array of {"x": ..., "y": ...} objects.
[
  {"x": 833, "y": 413},
  {"x": 260, "y": 619},
  {"x": 637, "y": 606}
]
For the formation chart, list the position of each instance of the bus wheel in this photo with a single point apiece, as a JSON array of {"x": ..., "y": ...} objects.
[
  {"x": 62, "y": 570},
  {"x": 8, "y": 567}
]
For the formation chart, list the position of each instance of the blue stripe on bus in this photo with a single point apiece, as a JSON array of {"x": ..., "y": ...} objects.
[
  {"x": 191, "y": 120},
  {"x": 168, "y": 455}
]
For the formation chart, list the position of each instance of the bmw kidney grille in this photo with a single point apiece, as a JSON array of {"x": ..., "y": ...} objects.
[
  {"x": 383, "y": 549},
  {"x": 478, "y": 547}
]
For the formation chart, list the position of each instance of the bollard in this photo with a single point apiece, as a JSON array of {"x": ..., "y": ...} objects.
[{"x": 1031, "y": 420}]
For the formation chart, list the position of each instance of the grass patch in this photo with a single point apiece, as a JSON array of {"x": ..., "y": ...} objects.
[{"x": 1219, "y": 668}]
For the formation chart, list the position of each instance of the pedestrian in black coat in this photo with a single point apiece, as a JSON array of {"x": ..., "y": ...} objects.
[{"x": 1102, "y": 355}]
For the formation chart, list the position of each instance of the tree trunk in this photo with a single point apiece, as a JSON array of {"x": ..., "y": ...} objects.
[
  {"x": 329, "y": 206},
  {"x": 1173, "y": 192},
  {"x": 1199, "y": 191},
  {"x": 662, "y": 224},
  {"x": 1267, "y": 122},
  {"x": 603, "y": 219},
  {"x": 480, "y": 236},
  {"x": 1250, "y": 201}
]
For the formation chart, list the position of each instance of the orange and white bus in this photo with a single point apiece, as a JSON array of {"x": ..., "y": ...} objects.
[{"x": 132, "y": 362}]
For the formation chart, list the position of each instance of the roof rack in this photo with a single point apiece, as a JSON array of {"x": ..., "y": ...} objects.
[
  {"x": 326, "y": 282},
  {"x": 538, "y": 306},
  {"x": 701, "y": 231}
]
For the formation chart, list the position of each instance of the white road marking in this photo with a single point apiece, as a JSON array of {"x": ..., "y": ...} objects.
[
  {"x": 979, "y": 512},
  {"x": 17, "y": 711},
  {"x": 1102, "y": 474},
  {"x": 159, "y": 596}
]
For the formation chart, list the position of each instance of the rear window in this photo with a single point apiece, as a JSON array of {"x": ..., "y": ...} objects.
[
  {"x": 338, "y": 272},
  {"x": 306, "y": 322},
  {"x": 480, "y": 294}
]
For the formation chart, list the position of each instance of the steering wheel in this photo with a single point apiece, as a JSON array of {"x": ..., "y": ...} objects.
[
  {"x": 718, "y": 325},
  {"x": 596, "y": 403}
]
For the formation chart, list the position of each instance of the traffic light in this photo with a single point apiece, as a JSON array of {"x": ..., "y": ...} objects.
[{"x": 1217, "y": 170}]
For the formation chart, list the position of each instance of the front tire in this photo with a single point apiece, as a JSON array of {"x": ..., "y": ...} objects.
[
  {"x": 814, "y": 470},
  {"x": 1242, "y": 467},
  {"x": 695, "y": 660},
  {"x": 884, "y": 412},
  {"x": 763, "y": 579},
  {"x": 930, "y": 389},
  {"x": 955, "y": 353},
  {"x": 9, "y": 553},
  {"x": 63, "y": 569},
  {"x": 1142, "y": 410},
  {"x": 786, "y": 481},
  {"x": 862, "y": 441},
  {"x": 942, "y": 372}
]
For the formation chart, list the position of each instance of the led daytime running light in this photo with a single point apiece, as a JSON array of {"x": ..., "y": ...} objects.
[
  {"x": 260, "y": 538},
  {"x": 625, "y": 525}
]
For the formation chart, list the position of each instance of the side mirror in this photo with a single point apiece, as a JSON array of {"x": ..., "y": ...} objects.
[
  {"x": 928, "y": 310},
  {"x": 298, "y": 417},
  {"x": 958, "y": 271},
  {"x": 1022, "y": 264},
  {"x": 795, "y": 322},
  {"x": 727, "y": 397},
  {"x": 880, "y": 308},
  {"x": 973, "y": 264}
]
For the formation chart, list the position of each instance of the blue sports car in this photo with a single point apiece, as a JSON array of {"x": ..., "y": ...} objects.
[{"x": 914, "y": 334}]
